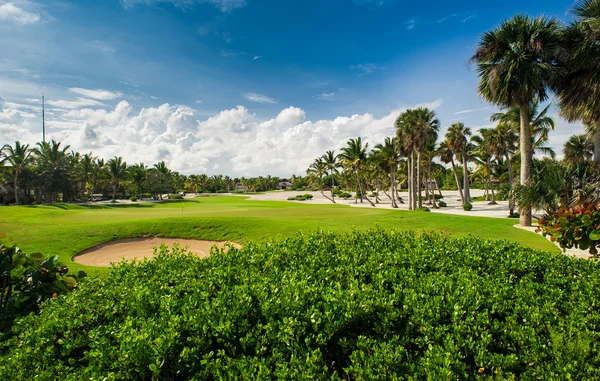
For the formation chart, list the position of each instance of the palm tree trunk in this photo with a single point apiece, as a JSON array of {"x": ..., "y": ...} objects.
[
  {"x": 438, "y": 188},
  {"x": 114, "y": 191},
  {"x": 460, "y": 192},
  {"x": 597, "y": 143},
  {"x": 361, "y": 188},
  {"x": 526, "y": 159},
  {"x": 393, "y": 191},
  {"x": 466, "y": 190},
  {"x": 511, "y": 202},
  {"x": 489, "y": 183},
  {"x": 332, "y": 186},
  {"x": 409, "y": 181},
  {"x": 419, "y": 179},
  {"x": 414, "y": 182},
  {"x": 16, "y": 185}
]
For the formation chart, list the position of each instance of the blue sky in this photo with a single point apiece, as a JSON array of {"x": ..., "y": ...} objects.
[{"x": 278, "y": 80}]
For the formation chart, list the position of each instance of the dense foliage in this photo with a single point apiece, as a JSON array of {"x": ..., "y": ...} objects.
[
  {"x": 363, "y": 305},
  {"x": 578, "y": 226},
  {"x": 26, "y": 280}
]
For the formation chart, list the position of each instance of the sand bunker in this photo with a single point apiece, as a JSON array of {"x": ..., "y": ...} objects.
[{"x": 139, "y": 248}]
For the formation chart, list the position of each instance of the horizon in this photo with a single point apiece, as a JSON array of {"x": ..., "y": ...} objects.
[{"x": 241, "y": 87}]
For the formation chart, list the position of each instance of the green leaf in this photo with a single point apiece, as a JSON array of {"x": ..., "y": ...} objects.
[{"x": 595, "y": 235}]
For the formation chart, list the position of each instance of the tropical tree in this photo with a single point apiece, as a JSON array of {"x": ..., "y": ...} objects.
[
  {"x": 578, "y": 89},
  {"x": 578, "y": 149},
  {"x": 484, "y": 154},
  {"x": 516, "y": 64},
  {"x": 354, "y": 157},
  {"x": 117, "y": 172},
  {"x": 19, "y": 157},
  {"x": 457, "y": 139},
  {"x": 139, "y": 175},
  {"x": 52, "y": 161},
  {"x": 503, "y": 143},
  {"x": 425, "y": 126},
  {"x": 317, "y": 170},
  {"x": 388, "y": 157},
  {"x": 332, "y": 164},
  {"x": 447, "y": 156}
]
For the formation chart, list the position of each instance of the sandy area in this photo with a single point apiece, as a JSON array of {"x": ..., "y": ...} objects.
[{"x": 138, "y": 248}]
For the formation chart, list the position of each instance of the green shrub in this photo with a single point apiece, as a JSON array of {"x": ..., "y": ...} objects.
[
  {"x": 175, "y": 197},
  {"x": 514, "y": 215},
  {"x": 423, "y": 209},
  {"x": 308, "y": 196},
  {"x": 291, "y": 198},
  {"x": 133, "y": 198},
  {"x": 358, "y": 306},
  {"x": 300, "y": 197},
  {"x": 146, "y": 195},
  {"x": 26, "y": 280},
  {"x": 345, "y": 195},
  {"x": 467, "y": 206},
  {"x": 442, "y": 204}
]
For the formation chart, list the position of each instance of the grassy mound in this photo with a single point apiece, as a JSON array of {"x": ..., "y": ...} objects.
[{"x": 361, "y": 305}]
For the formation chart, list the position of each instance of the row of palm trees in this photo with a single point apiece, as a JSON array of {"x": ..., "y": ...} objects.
[{"x": 52, "y": 172}]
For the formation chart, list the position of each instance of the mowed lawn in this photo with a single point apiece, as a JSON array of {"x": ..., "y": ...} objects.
[{"x": 65, "y": 229}]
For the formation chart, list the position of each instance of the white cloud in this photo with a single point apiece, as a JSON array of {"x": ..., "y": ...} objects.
[
  {"x": 103, "y": 95},
  {"x": 257, "y": 57},
  {"x": 325, "y": 96},
  {"x": 259, "y": 98},
  {"x": 470, "y": 111},
  {"x": 223, "y": 5},
  {"x": 231, "y": 142},
  {"x": 468, "y": 18},
  {"x": 103, "y": 46},
  {"x": 367, "y": 68},
  {"x": 9, "y": 12},
  {"x": 447, "y": 18},
  {"x": 410, "y": 24},
  {"x": 80, "y": 102},
  {"x": 198, "y": 101}
]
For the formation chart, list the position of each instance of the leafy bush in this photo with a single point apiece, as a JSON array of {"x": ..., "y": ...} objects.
[
  {"x": 423, "y": 209},
  {"x": 574, "y": 227},
  {"x": 133, "y": 198},
  {"x": 467, "y": 206},
  {"x": 362, "y": 305},
  {"x": 146, "y": 195},
  {"x": 300, "y": 197},
  {"x": 293, "y": 198},
  {"x": 514, "y": 215},
  {"x": 308, "y": 196},
  {"x": 442, "y": 204},
  {"x": 175, "y": 197},
  {"x": 26, "y": 280},
  {"x": 345, "y": 195},
  {"x": 222, "y": 191}
]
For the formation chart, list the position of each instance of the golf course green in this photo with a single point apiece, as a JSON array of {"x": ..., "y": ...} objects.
[{"x": 68, "y": 229}]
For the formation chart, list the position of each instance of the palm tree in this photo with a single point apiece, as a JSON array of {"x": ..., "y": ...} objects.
[
  {"x": 139, "y": 174},
  {"x": 578, "y": 89},
  {"x": 117, "y": 171},
  {"x": 354, "y": 157},
  {"x": 457, "y": 138},
  {"x": 540, "y": 125},
  {"x": 86, "y": 167},
  {"x": 405, "y": 138},
  {"x": 19, "y": 157},
  {"x": 578, "y": 149},
  {"x": 516, "y": 64},
  {"x": 388, "y": 157},
  {"x": 503, "y": 143},
  {"x": 425, "y": 126},
  {"x": 52, "y": 160},
  {"x": 447, "y": 156},
  {"x": 331, "y": 162},
  {"x": 484, "y": 153},
  {"x": 317, "y": 170}
]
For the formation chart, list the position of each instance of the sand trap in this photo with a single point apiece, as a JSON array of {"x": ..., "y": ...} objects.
[{"x": 139, "y": 248}]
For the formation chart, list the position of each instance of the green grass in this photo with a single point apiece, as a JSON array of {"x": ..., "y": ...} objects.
[{"x": 65, "y": 229}]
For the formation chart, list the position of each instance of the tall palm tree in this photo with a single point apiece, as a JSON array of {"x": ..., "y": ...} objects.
[
  {"x": 331, "y": 162},
  {"x": 503, "y": 143},
  {"x": 540, "y": 125},
  {"x": 86, "y": 168},
  {"x": 484, "y": 154},
  {"x": 406, "y": 139},
  {"x": 578, "y": 149},
  {"x": 516, "y": 64},
  {"x": 117, "y": 171},
  {"x": 52, "y": 160},
  {"x": 457, "y": 138},
  {"x": 388, "y": 156},
  {"x": 354, "y": 157},
  {"x": 317, "y": 170},
  {"x": 447, "y": 156},
  {"x": 578, "y": 89},
  {"x": 19, "y": 157},
  {"x": 138, "y": 174},
  {"x": 425, "y": 126}
]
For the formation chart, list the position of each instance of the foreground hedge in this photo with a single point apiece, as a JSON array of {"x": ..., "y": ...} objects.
[{"x": 370, "y": 305}]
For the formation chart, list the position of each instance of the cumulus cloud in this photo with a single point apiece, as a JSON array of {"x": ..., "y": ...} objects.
[
  {"x": 103, "y": 95},
  {"x": 259, "y": 98},
  {"x": 9, "y": 12},
  {"x": 223, "y": 5},
  {"x": 233, "y": 141}
]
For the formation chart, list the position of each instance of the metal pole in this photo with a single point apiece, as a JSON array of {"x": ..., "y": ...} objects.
[{"x": 43, "y": 120}]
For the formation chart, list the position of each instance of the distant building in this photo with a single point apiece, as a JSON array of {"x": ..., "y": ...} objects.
[
  {"x": 284, "y": 184},
  {"x": 240, "y": 188}
]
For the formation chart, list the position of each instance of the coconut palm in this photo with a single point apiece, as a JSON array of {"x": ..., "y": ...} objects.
[
  {"x": 516, "y": 64},
  {"x": 503, "y": 143},
  {"x": 52, "y": 161},
  {"x": 317, "y": 170},
  {"x": 425, "y": 126},
  {"x": 19, "y": 157},
  {"x": 139, "y": 175},
  {"x": 117, "y": 172},
  {"x": 354, "y": 157},
  {"x": 578, "y": 149},
  {"x": 405, "y": 142},
  {"x": 388, "y": 157},
  {"x": 332, "y": 164},
  {"x": 484, "y": 154},
  {"x": 457, "y": 139},
  {"x": 578, "y": 89},
  {"x": 447, "y": 156}
]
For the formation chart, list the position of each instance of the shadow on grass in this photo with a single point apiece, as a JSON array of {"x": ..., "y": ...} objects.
[{"x": 67, "y": 206}]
